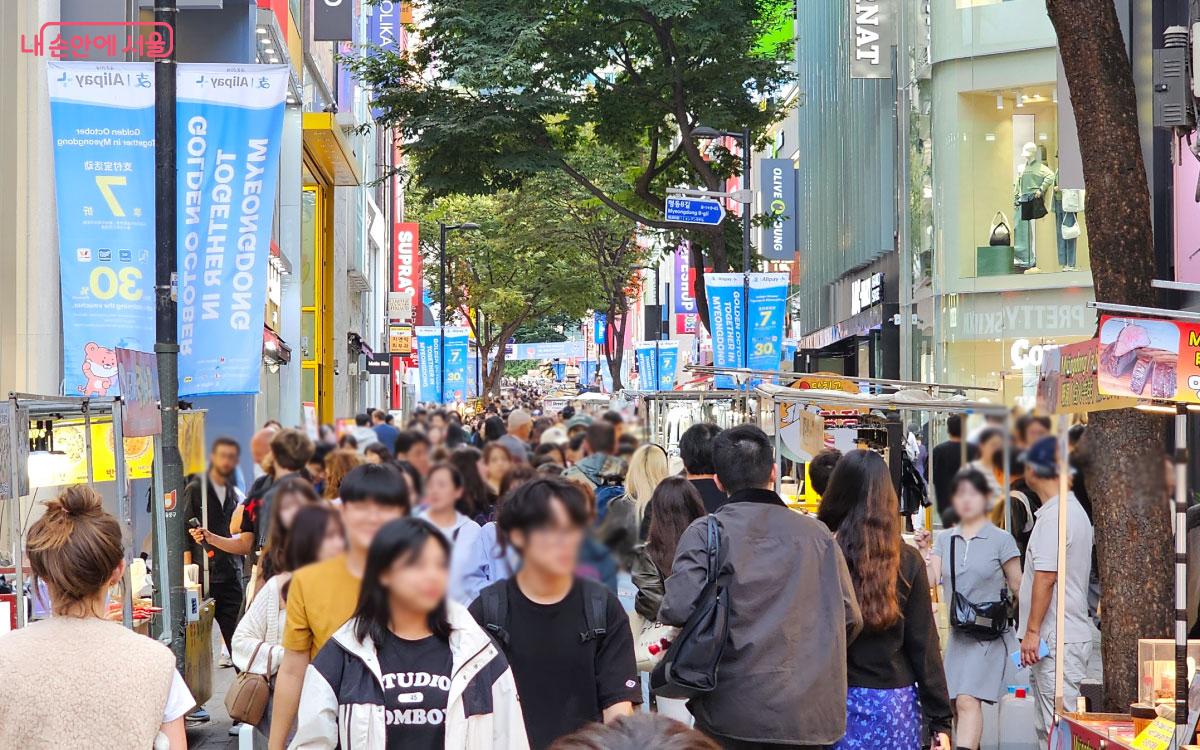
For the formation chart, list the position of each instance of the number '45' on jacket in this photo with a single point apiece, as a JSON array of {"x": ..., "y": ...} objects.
[{"x": 342, "y": 703}]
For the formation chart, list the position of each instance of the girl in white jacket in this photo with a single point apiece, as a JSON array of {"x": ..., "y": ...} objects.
[
  {"x": 411, "y": 670},
  {"x": 316, "y": 534}
]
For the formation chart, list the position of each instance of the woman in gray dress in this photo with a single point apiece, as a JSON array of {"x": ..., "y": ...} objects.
[{"x": 986, "y": 563}]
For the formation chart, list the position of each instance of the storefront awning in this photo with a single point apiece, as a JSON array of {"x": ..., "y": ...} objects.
[
  {"x": 275, "y": 349},
  {"x": 329, "y": 149},
  {"x": 859, "y": 325}
]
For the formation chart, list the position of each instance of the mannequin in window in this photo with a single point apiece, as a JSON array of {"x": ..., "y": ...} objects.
[
  {"x": 1034, "y": 182},
  {"x": 1066, "y": 247}
]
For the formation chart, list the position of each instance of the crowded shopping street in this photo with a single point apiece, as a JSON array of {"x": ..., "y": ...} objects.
[{"x": 617, "y": 375}]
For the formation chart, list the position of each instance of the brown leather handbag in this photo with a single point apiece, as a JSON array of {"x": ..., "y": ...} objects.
[{"x": 250, "y": 692}]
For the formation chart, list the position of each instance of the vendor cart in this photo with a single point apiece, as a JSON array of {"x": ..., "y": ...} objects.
[{"x": 668, "y": 414}]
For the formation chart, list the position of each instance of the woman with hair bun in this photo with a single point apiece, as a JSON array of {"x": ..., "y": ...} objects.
[{"x": 78, "y": 679}]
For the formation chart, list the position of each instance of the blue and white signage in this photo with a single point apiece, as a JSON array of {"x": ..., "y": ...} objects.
[
  {"x": 647, "y": 366},
  {"x": 668, "y": 364},
  {"x": 777, "y": 186},
  {"x": 600, "y": 323},
  {"x": 457, "y": 344},
  {"x": 548, "y": 350},
  {"x": 102, "y": 120},
  {"x": 767, "y": 309},
  {"x": 703, "y": 211},
  {"x": 726, "y": 315},
  {"x": 230, "y": 122},
  {"x": 429, "y": 364}
]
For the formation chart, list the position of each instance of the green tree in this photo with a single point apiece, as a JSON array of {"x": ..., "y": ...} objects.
[
  {"x": 495, "y": 93},
  {"x": 1123, "y": 449},
  {"x": 549, "y": 327},
  {"x": 503, "y": 275}
]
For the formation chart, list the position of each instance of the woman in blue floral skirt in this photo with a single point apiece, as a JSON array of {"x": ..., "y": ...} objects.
[{"x": 896, "y": 682}]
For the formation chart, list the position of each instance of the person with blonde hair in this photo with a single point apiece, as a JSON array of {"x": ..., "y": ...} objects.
[
  {"x": 78, "y": 679},
  {"x": 626, "y": 521}
]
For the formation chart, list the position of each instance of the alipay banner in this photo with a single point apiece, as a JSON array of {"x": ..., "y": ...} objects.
[
  {"x": 647, "y": 377},
  {"x": 768, "y": 304},
  {"x": 230, "y": 119},
  {"x": 457, "y": 343},
  {"x": 668, "y": 363},
  {"x": 102, "y": 120},
  {"x": 429, "y": 364},
  {"x": 726, "y": 308}
]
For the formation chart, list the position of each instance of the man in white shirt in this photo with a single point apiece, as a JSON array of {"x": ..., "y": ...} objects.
[{"x": 1039, "y": 588}]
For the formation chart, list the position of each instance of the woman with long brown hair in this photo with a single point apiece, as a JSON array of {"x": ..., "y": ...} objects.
[
  {"x": 337, "y": 465},
  {"x": 894, "y": 669},
  {"x": 291, "y": 495},
  {"x": 478, "y": 499},
  {"x": 78, "y": 679}
]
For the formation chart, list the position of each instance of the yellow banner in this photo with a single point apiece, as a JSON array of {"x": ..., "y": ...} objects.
[{"x": 68, "y": 464}]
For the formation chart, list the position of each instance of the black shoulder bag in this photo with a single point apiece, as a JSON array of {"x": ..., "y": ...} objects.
[
  {"x": 689, "y": 667},
  {"x": 983, "y": 622}
]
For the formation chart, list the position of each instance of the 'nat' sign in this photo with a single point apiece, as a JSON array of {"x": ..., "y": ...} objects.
[{"x": 873, "y": 26}]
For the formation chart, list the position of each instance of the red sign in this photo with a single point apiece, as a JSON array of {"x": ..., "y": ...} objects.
[{"x": 77, "y": 40}]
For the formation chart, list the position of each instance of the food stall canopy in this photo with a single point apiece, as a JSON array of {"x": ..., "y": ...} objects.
[{"x": 911, "y": 399}]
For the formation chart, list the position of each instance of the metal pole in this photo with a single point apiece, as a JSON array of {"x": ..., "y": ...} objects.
[
  {"x": 124, "y": 511},
  {"x": 1060, "y": 588},
  {"x": 15, "y": 431},
  {"x": 747, "y": 157},
  {"x": 1181, "y": 614},
  {"x": 778, "y": 447},
  {"x": 162, "y": 566},
  {"x": 442, "y": 318},
  {"x": 87, "y": 443},
  {"x": 1005, "y": 488},
  {"x": 166, "y": 346}
]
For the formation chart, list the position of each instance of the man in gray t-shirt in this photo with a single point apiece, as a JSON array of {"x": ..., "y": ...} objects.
[{"x": 1038, "y": 620}]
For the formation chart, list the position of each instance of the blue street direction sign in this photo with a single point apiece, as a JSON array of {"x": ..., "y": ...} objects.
[{"x": 685, "y": 210}]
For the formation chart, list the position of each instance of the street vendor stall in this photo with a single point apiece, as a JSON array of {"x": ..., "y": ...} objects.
[
  {"x": 668, "y": 414},
  {"x": 1143, "y": 357},
  {"x": 798, "y": 415},
  {"x": 48, "y": 442}
]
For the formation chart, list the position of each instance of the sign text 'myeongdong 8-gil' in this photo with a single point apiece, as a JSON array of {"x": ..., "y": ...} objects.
[{"x": 687, "y": 210}]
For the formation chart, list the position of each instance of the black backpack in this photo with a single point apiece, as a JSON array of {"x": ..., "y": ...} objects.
[
  {"x": 689, "y": 667},
  {"x": 494, "y": 605}
]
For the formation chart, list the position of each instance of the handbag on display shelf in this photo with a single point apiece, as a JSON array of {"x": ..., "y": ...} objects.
[
  {"x": 1001, "y": 233},
  {"x": 1072, "y": 230},
  {"x": 1072, "y": 200},
  {"x": 247, "y": 698}
]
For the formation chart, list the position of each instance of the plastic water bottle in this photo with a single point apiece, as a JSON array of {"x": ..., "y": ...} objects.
[{"x": 1017, "y": 720}]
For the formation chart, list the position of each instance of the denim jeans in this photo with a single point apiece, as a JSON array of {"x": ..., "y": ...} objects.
[{"x": 1066, "y": 248}]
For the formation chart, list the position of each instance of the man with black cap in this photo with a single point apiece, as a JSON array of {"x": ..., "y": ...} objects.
[{"x": 1038, "y": 599}]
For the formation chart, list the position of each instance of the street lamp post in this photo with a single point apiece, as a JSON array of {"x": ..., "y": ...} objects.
[
  {"x": 445, "y": 229},
  {"x": 701, "y": 132}
]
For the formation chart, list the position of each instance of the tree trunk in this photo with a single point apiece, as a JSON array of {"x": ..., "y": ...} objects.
[
  {"x": 615, "y": 353},
  {"x": 497, "y": 371},
  {"x": 1125, "y": 448}
]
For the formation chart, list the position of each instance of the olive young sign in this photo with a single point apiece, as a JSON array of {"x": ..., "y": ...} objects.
[
  {"x": 777, "y": 186},
  {"x": 873, "y": 30}
]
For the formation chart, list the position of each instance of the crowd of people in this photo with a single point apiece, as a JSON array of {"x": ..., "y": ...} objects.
[{"x": 507, "y": 581}]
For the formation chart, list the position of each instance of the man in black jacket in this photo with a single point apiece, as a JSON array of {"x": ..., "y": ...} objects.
[
  {"x": 224, "y": 567},
  {"x": 782, "y": 677},
  {"x": 695, "y": 449},
  {"x": 947, "y": 460}
]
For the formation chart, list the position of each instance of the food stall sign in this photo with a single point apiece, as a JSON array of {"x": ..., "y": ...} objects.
[
  {"x": 1150, "y": 358},
  {"x": 1068, "y": 381}
]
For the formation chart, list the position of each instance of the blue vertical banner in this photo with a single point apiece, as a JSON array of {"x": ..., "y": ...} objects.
[
  {"x": 102, "y": 120},
  {"x": 230, "y": 122},
  {"x": 600, "y": 324},
  {"x": 767, "y": 311},
  {"x": 778, "y": 178},
  {"x": 647, "y": 366},
  {"x": 458, "y": 341},
  {"x": 726, "y": 315},
  {"x": 668, "y": 364},
  {"x": 429, "y": 364}
]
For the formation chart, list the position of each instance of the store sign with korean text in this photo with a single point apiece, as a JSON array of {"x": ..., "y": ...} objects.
[
  {"x": 873, "y": 34},
  {"x": 1150, "y": 358},
  {"x": 777, "y": 186},
  {"x": 1068, "y": 380}
]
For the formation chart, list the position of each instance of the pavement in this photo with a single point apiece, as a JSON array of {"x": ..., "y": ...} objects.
[{"x": 214, "y": 735}]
